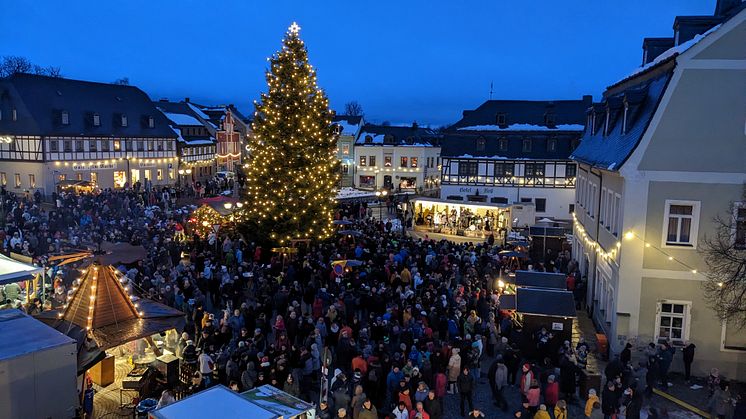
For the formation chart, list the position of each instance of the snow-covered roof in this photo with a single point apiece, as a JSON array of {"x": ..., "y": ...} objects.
[
  {"x": 198, "y": 111},
  {"x": 525, "y": 127},
  {"x": 12, "y": 270},
  {"x": 671, "y": 52},
  {"x": 376, "y": 139},
  {"x": 348, "y": 129},
  {"x": 182, "y": 119},
  {"x": 199, "y": 141},
  {"x": 347, "y": 193}
]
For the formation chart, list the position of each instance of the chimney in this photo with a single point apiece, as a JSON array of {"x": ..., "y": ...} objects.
[
  {"x": 186, "y": 99},
  {"x": 414, "y": 125},
  {"x": 653, "y": 47}
]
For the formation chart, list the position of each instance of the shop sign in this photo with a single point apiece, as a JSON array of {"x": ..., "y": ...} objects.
[
  {"x": 482, "y": 191},
  {"x": 78, "y": 167},
  {"x": 146, "y": 164},
  {"x": 557, "y": 326}
]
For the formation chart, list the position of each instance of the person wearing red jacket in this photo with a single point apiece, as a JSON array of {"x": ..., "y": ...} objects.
[
  {"x": 419, "y": 412},
  {"x": 551, "y": 393}
]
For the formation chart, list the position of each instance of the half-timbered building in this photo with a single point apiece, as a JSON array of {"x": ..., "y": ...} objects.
[
  {"x": 54, "y": 129},
  {"x": 515, "y": 151}
]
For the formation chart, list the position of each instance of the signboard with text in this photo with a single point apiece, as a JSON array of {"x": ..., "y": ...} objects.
[{"x": 93, "y": 166}]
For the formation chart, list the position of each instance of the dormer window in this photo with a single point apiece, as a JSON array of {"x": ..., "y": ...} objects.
[
  {"x": 96, "y": 120},
  {"x": 606, "y": 123},
  {"x": 65, "y": 118},
  {"x": 151, "y": 122},
  {"x": 501, "y": 119},
  {"x": 549, "y": 119},
  {"x": 624, "y": 118},
  {"x": 124, "y": 120},
  {"x": 481, "y": 144}
]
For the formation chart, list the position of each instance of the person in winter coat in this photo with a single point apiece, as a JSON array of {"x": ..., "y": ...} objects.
[
  {"x": 720, "y": 403},
  {"x": 632, "y": 403},
  {"x": 498, "y": 377},
  {"x": 323, "y": 411},
  {"x": 626, "y": 355},
  {"x": 406, "y": 398},
  {"x": 526, "y": 378},
  {"x": 665, "y": 356},
  {"x": 542, "y": 413},
  {"x": 466, "y": 389},
  {"x": 433, "y": 406},
  {"x": 610, "y": 400},
  {"x": 400, "y": 411},
  {"x": 454, "y": 368},
  {"x": 533, "y": 395},
  {"x": 551, "y": 393},
  {"x": 560, "y": 411},
  {"x": 291, "y": 386},
  {"x": 419, "y": 412},
  {"x": 592, "y": 398},
  {"x": 368, "y": 411},
  {"x": 688, "y": 354}
]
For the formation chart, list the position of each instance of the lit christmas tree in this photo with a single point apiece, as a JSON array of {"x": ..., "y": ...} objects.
[{"x": 292, "y": 176}]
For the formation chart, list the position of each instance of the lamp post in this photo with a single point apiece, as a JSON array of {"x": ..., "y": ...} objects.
[{"x": 381, "y": 193}]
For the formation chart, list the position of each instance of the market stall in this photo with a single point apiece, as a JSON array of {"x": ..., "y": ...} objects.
[
  {"x": 103, "y": 314},
  {"x": 37, "y": 369},
  {"x": 265, "y": 402},
  {"x": 533, "y": 279},
  {"x": 551, "y": 309},
  {"x": 18, "y": 281}
]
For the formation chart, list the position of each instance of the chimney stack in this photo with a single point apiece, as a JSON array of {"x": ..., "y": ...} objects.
[{"x": 186, "y": 99}]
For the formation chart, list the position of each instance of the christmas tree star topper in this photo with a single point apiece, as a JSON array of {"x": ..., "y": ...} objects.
[{"x": 294, "y": 28}]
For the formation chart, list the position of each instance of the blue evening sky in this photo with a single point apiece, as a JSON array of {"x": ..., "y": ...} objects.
[{"x": 403, "y": 60}]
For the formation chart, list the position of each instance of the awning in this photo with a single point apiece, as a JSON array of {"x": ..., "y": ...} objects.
[{"x": 12, "y": 270}]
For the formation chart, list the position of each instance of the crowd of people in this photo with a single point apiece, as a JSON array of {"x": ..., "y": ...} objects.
[{"x": 416, "y": 323}]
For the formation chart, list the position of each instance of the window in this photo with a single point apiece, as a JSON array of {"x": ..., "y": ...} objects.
[
  {"x": 151, "y": 122},
  {"x": 92, "y": 146},
  {"x": 503, "y": 144},
  {"x": 681, "y": 223},
  {"x": 79, "y": 145},
  {"x": 372, "y": 161},
  {"x": 18, "y": 180},
  {"x": 387, "y": 161},
  {"x": 602, "y": 214},
  {"x": 14, "y": 114},
  {"x": 504, "y": 169},
  {"x": 65, "y": 117},
  {"x": 96, "y": 120},
  {"x": 160, "y": 145},
  {"x": 32, "y": 180},
  {"x": 413, "y": 162},
  {"x": 104, "y": 145},
  {"x": 159, "y": 174},
  {"x": 151, "y": 145},
  {"x": 624, "y": 118},
  {"x": 552, "y": 145},
  {"x": 54, "y": 146},
  {"x": 672, "y": 321},
  {"x": 61, "y": 177},
  {"x": 534, "y": 170},
  {"x": 481, "y": 144},
  {"x": 501, "y": 119},
  {"x": 94, "y": 177},
  {"x": 117, "y": 145},
  {"x": 526, "y": 145},
  {"x": 124, "y": 120},
  {"x": 362, "y": 161},
  {"x": 571, "y": 170},
  {"x": 78, "y": 176},
  {"x": 403, "y": 162},
  {"x": 571, "y": 208},
  {"x": 467, "y": 168},
  {"x": 526, "y": 200},
  {"x": 67, "y": 145},
  {"x": 346, "y": 149},
  {"x": 3, "y": 179},
  {"x": 541, "y": 204},
  {"x": 140, "y": 146},
  {"x": 739, "y": 226}
]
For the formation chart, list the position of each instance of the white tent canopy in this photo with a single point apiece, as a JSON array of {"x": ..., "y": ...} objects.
[{"x": 12, "y": 270}]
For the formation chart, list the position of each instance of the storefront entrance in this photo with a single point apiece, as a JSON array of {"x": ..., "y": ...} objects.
[
  {"x": 135, "y": 176},
  {"x": 120, "y": 178}
]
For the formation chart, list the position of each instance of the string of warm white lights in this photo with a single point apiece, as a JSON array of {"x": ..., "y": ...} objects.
[{"x": 628, "y": 236}]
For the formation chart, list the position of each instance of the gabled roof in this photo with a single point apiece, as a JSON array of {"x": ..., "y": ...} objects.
[
  {"x": 179, "y": 113},
  {"x": 411, "y": 135},
  {"x": 349, "y": 124},
  {"x": 41, "y": 100},
  {"x": 525, "y": 112},
  {"x": 609, "y": 151}
]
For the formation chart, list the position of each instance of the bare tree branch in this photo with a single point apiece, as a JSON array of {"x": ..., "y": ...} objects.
[
  {"x": 725, "y": 256},
  {"x": 353, "y": 108}
]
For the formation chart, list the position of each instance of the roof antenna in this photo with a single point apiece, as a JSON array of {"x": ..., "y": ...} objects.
[{"x": 490, "y": 90}]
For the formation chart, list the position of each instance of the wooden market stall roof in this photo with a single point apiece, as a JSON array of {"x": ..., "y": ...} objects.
[
  {"x": 540, "y": 280},
  {"x": 12, "y": 270},
  {"x": 545, "y": 302},
  {"x": 100, "y": 300}
]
